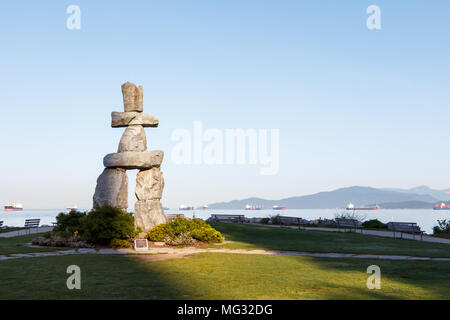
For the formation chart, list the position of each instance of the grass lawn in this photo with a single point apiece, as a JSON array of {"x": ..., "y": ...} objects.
[
  {"x": 221, "y": 276},
  {"x": 274, "y": 238},
  {"x": 235, "y": 276},
  {"x": 18, "y": 245}
]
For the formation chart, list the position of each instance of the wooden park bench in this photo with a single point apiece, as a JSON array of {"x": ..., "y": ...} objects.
[
  {"x": 32, "y": 223},
  {"x": 171, "y": 217},
  {"x": 289, "y": 221},
  {"x": 228, "y": 218},
  {"x": 348, "y": 223},
  {"x": 408, "y": 227}
]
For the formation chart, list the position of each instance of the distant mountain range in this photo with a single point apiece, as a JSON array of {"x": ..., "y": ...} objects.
[
  {"x": 389, "y": 198},
  {"x": 439, "y": 195}
]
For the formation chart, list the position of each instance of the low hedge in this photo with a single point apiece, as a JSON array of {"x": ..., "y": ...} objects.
[
  {"x": 99, "y": 226},
  {"x": 120, "y": 243},
  {"x": 196, "y": 228},
  {"x": 374, "y": 224}
]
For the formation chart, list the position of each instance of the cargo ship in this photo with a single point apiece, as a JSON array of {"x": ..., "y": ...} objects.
[
  {"x": 278, "y": 208},
  {"x": 185, "y": 208},
  {"x": 351, "y": 206},
  {"x": 442, "y": 206},
  {"x": 249, "y": 207},
  {"x": 14, "y": 207}
]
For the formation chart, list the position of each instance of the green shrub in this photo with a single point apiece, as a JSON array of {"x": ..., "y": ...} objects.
[
  {"x": 207, "y": 234},
  {"x": 47, "y": 235},
  {"x": 70, "y": 222},
  {"x": 119, "y": 243},
  {"x": 265, "y": 220},
  {"x": 275, "y": 219},
  {"x": 184, "y": 239},
  {"x": 374, "y": 224},
  {"x": 158, "y": 233},
  {"x": 443, "y": 227},
  {"x": 106, "y": 223},
  {"x": 195, "y": 228}
]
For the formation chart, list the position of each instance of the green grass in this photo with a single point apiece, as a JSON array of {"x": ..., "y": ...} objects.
[
  {"x": 221, "y": 276},
  {"x": 235, "y": 276},
  {"x": 18, "y": 245},
  {"x": 275, "y": 238}
]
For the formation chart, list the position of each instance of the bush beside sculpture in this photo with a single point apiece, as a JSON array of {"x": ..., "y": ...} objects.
[
  {"x": 99, "y": 226},
  {"x": 182, "y": 231},
  {"x": 120, "y": 243}
]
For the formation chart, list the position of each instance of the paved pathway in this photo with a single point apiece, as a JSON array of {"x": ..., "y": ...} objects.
[
  {"x": 186, "y": 251},
  {"x": 386, "y": 234},
  {"x": 25, "y": 232}
]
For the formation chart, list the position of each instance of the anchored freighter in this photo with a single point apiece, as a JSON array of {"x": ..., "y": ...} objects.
[{"x": 14, "y": 207}]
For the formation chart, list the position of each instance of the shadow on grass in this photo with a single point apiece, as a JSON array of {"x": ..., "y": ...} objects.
[
  {"x": 224, "y": 275},
  {"x": 275, "y": 238},
  {"x": 215, "y": 276},
  {"x": 431, "y": 279}
]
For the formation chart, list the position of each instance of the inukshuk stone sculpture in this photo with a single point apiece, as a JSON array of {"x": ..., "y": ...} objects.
[{"x": 112, "y": 184}]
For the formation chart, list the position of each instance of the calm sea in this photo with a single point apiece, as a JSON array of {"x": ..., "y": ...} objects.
[{"x": 426, "y": 219}]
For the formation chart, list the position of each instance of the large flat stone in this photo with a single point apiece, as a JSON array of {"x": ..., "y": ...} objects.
[
  {"x": 133, "y": 139},
  {"x": 112, "y": 189},
  {"x": 134, "y": 160},
  {"x": 132, "y": 97},
  {"x": 148, "y": 214},
  {"x": 149, "y": 184},
  {"x": 125, "y": 119}
]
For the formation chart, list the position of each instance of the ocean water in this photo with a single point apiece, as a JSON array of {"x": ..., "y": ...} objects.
[{"x": 426, "y": 218}]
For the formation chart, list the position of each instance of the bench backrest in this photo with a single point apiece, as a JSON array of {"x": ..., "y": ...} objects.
[
  {"x": 228, "y": 217},
  {"x": 403, "y": 226},
  {"x": 32, "y": 223},
  {"x": 292, "y": 220},
  {"x": 289, "y": 219},
  {"x": 348, "y": 222}
]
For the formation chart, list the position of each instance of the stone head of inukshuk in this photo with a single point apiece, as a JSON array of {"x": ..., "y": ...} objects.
[{"x": 112, "y": 184}]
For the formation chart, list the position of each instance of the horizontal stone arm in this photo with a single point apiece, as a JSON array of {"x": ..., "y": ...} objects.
[
  {"x": 125, "y": 119},
  {"x": 134, "y": 160}
]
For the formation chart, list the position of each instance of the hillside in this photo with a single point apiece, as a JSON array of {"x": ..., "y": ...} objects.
[{"x": 333, "y": 199}]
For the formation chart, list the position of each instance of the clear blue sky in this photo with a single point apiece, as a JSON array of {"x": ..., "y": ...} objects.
[{"x": 353, "y": 106}]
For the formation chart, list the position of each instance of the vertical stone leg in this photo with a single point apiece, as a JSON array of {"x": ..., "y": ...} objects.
[
  {"x": 112, "y": 189},
  {"x": 148, "y": 209}
]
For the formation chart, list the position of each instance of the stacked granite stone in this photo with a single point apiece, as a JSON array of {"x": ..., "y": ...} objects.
[{"x": 112, "y": 184}]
